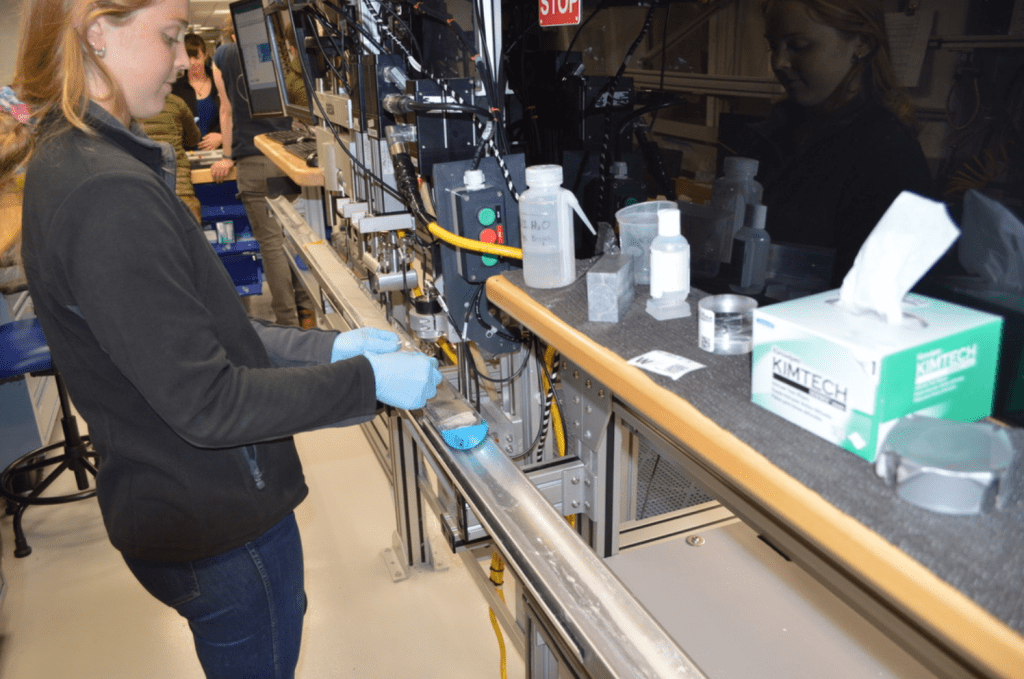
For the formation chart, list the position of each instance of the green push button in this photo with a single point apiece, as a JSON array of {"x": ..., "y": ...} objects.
[{"x": 487, "y": 216}]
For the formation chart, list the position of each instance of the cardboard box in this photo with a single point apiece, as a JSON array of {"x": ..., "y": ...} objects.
[{"x": 850, "y": 377}]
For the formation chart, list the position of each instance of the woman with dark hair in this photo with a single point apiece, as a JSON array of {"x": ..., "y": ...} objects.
[
  {"x": 839, "y": 149},
  {"x": 197, "y": 88}
]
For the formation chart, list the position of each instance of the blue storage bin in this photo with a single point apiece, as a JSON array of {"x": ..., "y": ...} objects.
[
  {"x": 241, "y": 258},
  {"x": 245, "y": 269},
  {"x": 217, "y": 194}
]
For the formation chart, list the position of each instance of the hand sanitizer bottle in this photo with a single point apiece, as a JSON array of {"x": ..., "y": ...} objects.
[{"x": 670, "y": 269}]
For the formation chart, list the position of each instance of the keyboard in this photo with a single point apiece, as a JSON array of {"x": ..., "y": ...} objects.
[
  {"x": 301, "y": 148},
  {"x": 286, "y": 136}
]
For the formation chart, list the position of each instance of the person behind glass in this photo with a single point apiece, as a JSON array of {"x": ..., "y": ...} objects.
[
  {"x": 294, "y": 81},
  {"x": 288, "y": 299},
  {"x": 197, "y": 88},
  {"x": 839, "y": 149},
  {"x": 191, "y": 404}
]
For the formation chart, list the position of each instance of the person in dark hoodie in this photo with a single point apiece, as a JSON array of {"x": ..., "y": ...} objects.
[
  {"x": 839, "y": 149},
  {"x": 191, "y": 404}
]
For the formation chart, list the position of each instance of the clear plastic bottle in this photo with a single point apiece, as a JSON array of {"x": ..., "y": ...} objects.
[
  {"x": 670, "y": 258},
  {"x": 749, "y": 264},
  {"x": 732, "y": 192},
  {"x": 545, "y": 220}
]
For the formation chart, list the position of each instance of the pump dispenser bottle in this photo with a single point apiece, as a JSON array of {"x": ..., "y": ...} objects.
[
  {"x": 670, "y": 269},
  {"x": 545, "y": 219}
]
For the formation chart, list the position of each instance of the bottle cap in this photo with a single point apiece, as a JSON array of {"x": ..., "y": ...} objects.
[
  {"x": 738, "y": 165},
  {"x": 668, "y": 222},
  {"x": 474, "y": 179},
  {"x": 544, "y": 175}
]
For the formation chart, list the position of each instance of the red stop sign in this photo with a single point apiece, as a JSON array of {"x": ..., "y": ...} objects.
[{"x": 559, "y": 12}]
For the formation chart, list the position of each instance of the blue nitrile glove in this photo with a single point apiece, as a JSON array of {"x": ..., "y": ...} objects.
[
  {"x": 405, "y": 379},
  {"x": 363, "y": 341}
]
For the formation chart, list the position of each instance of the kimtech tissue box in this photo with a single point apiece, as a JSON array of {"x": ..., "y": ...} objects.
[{"x": 849, "y": 377}]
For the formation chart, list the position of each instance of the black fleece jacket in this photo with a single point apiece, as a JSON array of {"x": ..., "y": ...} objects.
[
  {"x": 831, "y": 188},
  {"x": 191, "y": 404}
]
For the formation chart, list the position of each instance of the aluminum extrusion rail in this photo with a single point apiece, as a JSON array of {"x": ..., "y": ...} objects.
[{"x": 594, "y": 614}]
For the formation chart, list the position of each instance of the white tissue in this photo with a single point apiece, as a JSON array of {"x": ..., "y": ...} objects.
[{"x": 907, "y": 241}]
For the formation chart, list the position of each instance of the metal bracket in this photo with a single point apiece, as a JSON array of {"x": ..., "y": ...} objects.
[
  {"x": 382, "y": 223},
  {"x": 354, "y": 210},
  {"x": 587, "y": 404},
  {"x": 390, "y": 556},
  {"x": 562, "y": 482}
]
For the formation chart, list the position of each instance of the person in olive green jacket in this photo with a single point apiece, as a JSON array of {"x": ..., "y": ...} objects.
[{"x": 176, "y": 126}]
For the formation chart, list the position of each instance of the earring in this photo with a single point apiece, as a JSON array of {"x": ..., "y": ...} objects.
[{"x": 100, "y": 53}]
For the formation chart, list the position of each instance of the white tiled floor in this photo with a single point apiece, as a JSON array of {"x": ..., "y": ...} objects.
[{"x": 73, "y": 610}]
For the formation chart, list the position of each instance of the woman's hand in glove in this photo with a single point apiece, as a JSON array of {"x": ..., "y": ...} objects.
[
  {"x": 405, "y": 379},
  {"x": 364, "y": 341}
]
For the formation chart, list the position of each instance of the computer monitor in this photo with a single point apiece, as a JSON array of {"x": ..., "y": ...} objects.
[
  {"x": 291, "y": 62},
  {"x": 259, "y": 66}
]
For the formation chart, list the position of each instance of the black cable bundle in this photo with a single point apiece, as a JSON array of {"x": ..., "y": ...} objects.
[
  {"x": 604, "y": 197},
  {"x": 654, "y": 162}
]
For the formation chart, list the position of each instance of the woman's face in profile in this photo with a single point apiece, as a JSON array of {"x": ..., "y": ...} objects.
[{"x": 810, "y": 59}]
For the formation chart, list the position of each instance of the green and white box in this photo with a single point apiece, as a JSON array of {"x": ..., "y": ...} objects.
[{"x": 850, "y": 377}]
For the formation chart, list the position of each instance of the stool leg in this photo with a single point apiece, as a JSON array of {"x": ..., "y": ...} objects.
[
  {"x": 21, "y": 548},
  {"x": 74, "y": 446},
  {"x": 76, "y": 458}
]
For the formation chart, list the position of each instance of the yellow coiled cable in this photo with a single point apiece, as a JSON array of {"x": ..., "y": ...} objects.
[{"x": 498, "y": 579}]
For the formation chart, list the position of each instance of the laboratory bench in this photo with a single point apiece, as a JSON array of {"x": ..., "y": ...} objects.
[{"x": 946, "y": 589}]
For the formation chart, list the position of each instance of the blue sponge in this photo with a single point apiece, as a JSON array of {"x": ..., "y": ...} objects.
[{"x": 464, "y": 438}]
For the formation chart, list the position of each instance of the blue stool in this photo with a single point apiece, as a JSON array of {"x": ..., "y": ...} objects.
[{"x": 23, "y": 350}]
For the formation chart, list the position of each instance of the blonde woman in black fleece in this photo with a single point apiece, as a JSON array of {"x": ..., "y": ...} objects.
[{"x": 191, "y": 404}]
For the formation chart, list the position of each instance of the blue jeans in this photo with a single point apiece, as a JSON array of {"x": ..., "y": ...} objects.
[{"x": 244, "y": 607}]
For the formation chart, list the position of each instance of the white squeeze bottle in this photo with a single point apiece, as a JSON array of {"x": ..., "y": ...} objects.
[
  {"x": 670, "y": 258},
  {"x": 545, "y": 220}
]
